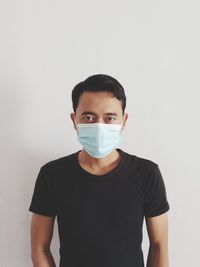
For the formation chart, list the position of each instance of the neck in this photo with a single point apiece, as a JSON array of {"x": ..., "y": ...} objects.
[{"x": 99, "y": 163}]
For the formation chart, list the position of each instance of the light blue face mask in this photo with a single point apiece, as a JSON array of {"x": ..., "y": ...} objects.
[{"x": 98, "y": 139}]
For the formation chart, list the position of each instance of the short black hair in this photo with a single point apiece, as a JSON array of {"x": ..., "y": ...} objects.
[{"x": 96, "y": 83}]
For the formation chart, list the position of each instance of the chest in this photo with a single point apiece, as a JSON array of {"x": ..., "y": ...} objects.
[
  {"x": 92, "y": 199},
  {"x": 103, "y": 212}
]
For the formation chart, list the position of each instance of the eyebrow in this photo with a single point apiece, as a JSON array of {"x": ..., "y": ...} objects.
[{"x": 93, "y": 113}]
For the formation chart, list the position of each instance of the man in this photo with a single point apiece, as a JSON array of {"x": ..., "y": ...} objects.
[{"x": 101, "y": 194}]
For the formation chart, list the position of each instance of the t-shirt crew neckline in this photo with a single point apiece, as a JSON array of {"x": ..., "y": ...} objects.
[{"x": 107, "y": 175}]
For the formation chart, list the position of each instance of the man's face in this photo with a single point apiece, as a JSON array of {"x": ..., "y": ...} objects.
[{"x": 96, "y": 107}]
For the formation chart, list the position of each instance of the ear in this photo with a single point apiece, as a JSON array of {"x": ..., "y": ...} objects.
[
  {"x": 73, "y": 118},
  {"x": 125, "y": 117}
]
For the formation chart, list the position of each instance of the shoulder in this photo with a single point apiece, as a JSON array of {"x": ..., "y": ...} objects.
[
  {"x": 141, "y": 164},
  {"x": 148, "y": 165},
  {"x": 144, "y": 170},
  {"x": 58, "y": 165},
  {"x": 151, "y": 175}
]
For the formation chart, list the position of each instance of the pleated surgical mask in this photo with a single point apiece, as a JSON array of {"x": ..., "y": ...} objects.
[{"x": 98, "y": 139}]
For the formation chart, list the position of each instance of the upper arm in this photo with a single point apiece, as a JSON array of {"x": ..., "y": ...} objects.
[
  {"x": 41, "y": 232},
  {"x": 155, "y": 195},
  {"x": 157, "y": 229}
]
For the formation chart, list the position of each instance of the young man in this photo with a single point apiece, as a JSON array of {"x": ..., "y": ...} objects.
[{"x": 100, "y": 194}]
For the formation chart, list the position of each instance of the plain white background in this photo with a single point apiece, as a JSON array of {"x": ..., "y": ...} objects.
[{"x": 152, "y": 49}]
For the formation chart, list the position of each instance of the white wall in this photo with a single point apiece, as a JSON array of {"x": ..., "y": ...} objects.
[{"x": 152, "y": 48}]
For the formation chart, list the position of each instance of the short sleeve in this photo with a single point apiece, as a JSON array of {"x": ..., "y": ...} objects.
[
  {"x": 42, "y": 199},
  {"x": 155, "y": 196}
]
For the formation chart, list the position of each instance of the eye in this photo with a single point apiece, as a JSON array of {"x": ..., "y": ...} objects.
[
  {"x": 111, "y": 118},
  {"x": 90, "y": 117}
]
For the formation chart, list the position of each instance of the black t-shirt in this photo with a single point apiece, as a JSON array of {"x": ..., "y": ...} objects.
[{"x": 100, "y": 217}]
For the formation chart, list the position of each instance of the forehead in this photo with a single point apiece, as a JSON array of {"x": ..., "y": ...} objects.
[{"x": 99, "y": 103}]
